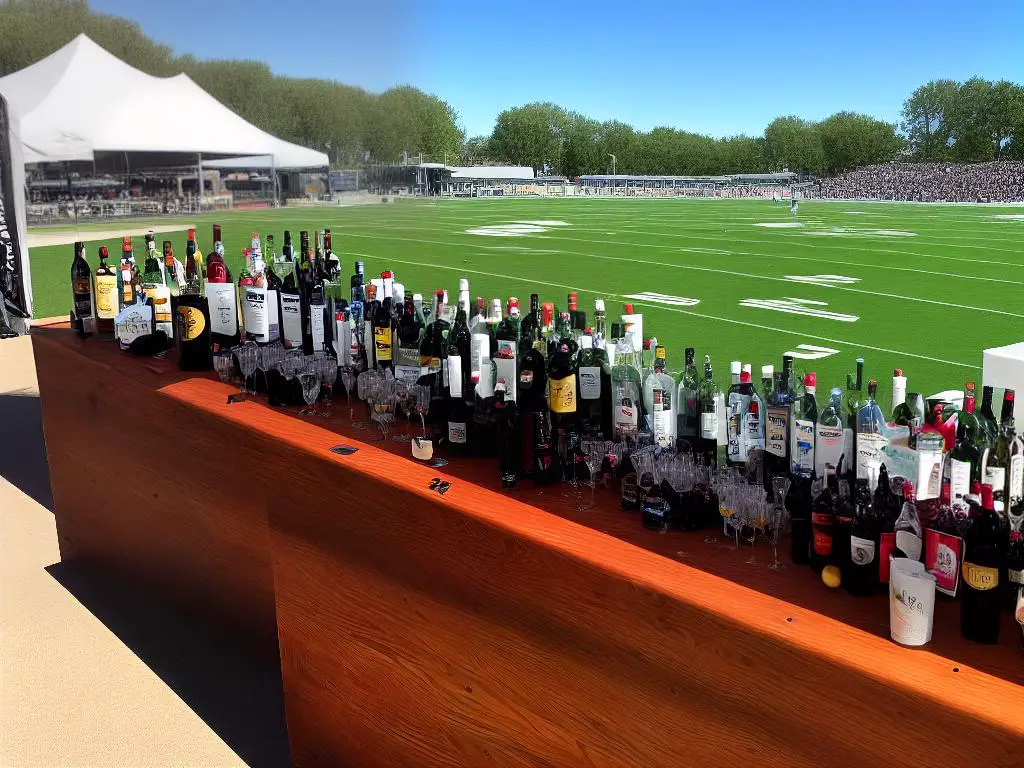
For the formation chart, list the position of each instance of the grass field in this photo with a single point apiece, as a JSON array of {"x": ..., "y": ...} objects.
[{"x": 921, "y": 287}]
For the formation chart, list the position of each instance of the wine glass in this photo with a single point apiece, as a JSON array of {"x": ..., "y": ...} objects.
[
  {"x": 400, "y": 395},
  {"x": 421, "y": 404},
  {"x": 224, "y": 365},
  {"x": 366, "y": 383},
  {"x": 348, "y": 379},
  {"x": 594, "y": 459},
  {"x": 309, "y": 379},
  {"x": 246, "y": 355},
  {"x": 777, "y": 518},
  {"x": 327, "y": 368}
]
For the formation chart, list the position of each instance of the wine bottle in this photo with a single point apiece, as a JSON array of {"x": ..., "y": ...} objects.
[
  {"x": 222, "y": 297},
  {"x": 910, "y": 413},
  {"x": 107, "y": 297},
  {"x": 706, "y": 444},
  {"x": 861, "y": 576},
  {"x": 510, "y": 452},
  {"x": 776, "y": 443},
  {"x": 484, "y": 432},
  {"x": 899, "y": 390},
  {"x": 737, "y": 401},
  {"x": 82, "y": 315},
  {"x": 407, "y": 353},
  {"x": 157, "y": 294},
  {"x": 193, "y": 265},
  {"x": 823, "y": 523},
  {"x": 174, "y": 273},
  {"x": 591, "y": 376},
  {"x": 562, "y": 395},
  {"x": 965, "y": 458},
  {"x": 987, "y": 421},
  {"x": 192, "y": 326},
  {"x": 531, "y": 399},
  {"x": 852, "y": 401},
  {"x": 128, "y": 279},
  {"x": 984, "y": 554},
  {"x": 687, "y": 401},
  {"x": 870, "y": 436},
  {"x": 828, "y": 435},
  {"x": 333, "y": 263},
  {"x": 383, "y": 327},
  {"x": 753, "y": 417},
  {"x": 529, "y": 329},
  {"x": 802, "y": 430},
  {"x": 507, "y": 337},
  {"x": 459, "y": 385},
  {"x": 996, "y": 460}
]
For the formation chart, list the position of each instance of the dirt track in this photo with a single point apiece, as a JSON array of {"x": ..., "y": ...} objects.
[{"x": 42, "y": 237}]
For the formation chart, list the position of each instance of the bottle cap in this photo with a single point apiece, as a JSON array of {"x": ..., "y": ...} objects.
[
  {"x": 463, "y": 284},
  {"x": 745, "y": 377},
  {"x": 549, "y": 313},
  {"x": 191, "y": 234},
  {"x": 811, "y": 380},
  {"x": 747, "y": 368},
  {"x": 480, "y": 304},
  {"x": 908, "y": 491},
  {"x": 735, "y": 367},
  {"x": 836, "y": 392},
  {"x": 987, "y": 501},
  {"x": 689, "y": 352},
  {"x": 767, "y": 371},
  {"x": 897, "y": 372},
  {"x": 1008, "y": 395},
  {"x": 513, "y": 302},
  {"x": 417, "y": 297},
  {"x": 126, "y": 243},
  {"x": 386, "y": 275},
  {"x": 573, "y": 301},
  {"x": 598, "y": 305},
  {"x": 628, "y": 309},
  {"x": 104, "y": 253}
]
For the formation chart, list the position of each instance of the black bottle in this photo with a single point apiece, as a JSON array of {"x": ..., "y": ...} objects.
[
  {"x": 861, "y": 574},
  {"x": 984, "y": 556},
  {"x": 510, "y": 446}
]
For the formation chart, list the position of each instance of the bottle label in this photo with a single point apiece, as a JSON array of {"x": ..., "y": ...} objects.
[
  {"x": 127, "y": 291},
  {"x": 822, "y": 533},
  {"x": 590, "y": 382},
  {"x": 160, "y": 295},
  {"x": 506, "y": 369},
  {"x": 689, "y": 423},
  {"x": 828, "y": 448},
  {"x": 709, "y": 424},
  {"x": 1016, "y": 577},
  {"x": 942, "y": 552},
  {"x": 274, "y": 316},
  {"x": 753, "y": 433},
  {"x": 996, "y": 477},
  {"x": 254, "y": 314},
  {"x": 291, "y": 319},
  {"x": 454, "y": 379},
  {"x": 959, "y": 479},
  {"x": 457, "y": 432},
  {"x": 106, "y": 297},
  {"x": 1016, "y": 479},
  {"x": 81, "y": 286},
  {"x": 625, "y": 416},
  {"x": 382, "y": 342},
  {"x": 134, "y": 321},
  {"x": 485, "y": 384},
  {"x": 869, "y": 454},
  {"x": 886, "y": 546},
  {"x": 735, "y": 434},
  {"x": 562, "y": 395},
  {"x": 848, "y": 441},
  {"x": 479, "y": 348},
  {"x": 980, "y": 577},
  {"x": 909, "y": 543},
  {"x": 191, "y": 323},
  {"x": 661, "y": 418},
  {"x": 223, "y": 310},
  {"x": 862, "y": 551},
  {"x": 775, "y": 430},
  {"x": 801, "y": 448}
]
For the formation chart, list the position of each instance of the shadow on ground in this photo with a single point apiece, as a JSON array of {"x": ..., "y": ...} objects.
[
  {"x": 237, "y": 693},
  {"x": 22, "y": 447}
]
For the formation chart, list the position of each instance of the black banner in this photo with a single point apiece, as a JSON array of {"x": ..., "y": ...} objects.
[{"x": 14, "y": 302}]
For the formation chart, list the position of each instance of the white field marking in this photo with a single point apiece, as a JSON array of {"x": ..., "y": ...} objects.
[
  {"x": 856, "y": 213},
  {"x": 506, "y": 230},
  {"x": 853, "y": 232},
  {"x": 938, "y": 241},
  {"x": 1005, "y": 216},
  {"x": 545, "y": 223},
  {"x": 47, "y": 236},
  {"x": 661, "y": 298},
  {"x": 811, "y": 352},
  {"x": 680, "y": 310},
  {"x": 828, "y": 280},
  {"x": 696, "y": 268},
  {"x": 779, "y": 224},
  {"x": 793, "y": 306}
]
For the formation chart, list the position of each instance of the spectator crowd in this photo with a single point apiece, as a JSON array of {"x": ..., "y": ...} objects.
[{"x": 995, "y": 182}]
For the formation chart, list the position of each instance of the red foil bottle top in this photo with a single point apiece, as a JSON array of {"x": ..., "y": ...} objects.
[
  {"x": 104, "y": 253},
  {"x": 987, "y": 500},
  {"x": 513, "y": 302},
  {"x": 628, "y": 309},
  {"x": 549, "y": 313},
  {"x": 191, "y": 234},
  {"x": 745, "y": 377},
  {"x": 810, "y": 380}
]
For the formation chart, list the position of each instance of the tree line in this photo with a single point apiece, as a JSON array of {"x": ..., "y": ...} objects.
[{"x": 943, "y": 120}]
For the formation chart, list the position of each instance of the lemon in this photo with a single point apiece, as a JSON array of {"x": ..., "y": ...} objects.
[{"x": 831, "y": 575}]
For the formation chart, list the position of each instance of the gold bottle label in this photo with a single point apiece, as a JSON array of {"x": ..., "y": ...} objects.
[
  {"x": 981, "y": 577},
  {"x": 191, "y": 322},
  {"x": 562, "y": 394},
  {"x": 106, "y": 297}
]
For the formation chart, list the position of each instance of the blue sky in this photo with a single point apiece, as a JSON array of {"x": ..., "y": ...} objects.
[{"x": 719, "y": 68}]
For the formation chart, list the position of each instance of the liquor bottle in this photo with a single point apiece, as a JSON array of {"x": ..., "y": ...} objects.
[
  {"x": 592, "y": 386},
  {"x": 290, "y": 297},
  {"x": 627, "y": 398},
  {"x": 910, "y": 413},
  {"x": 510, "y": 451},
  {"x": 270, "y": 262},
  {"x": 107, "y": 296},
  {"x": 776, "y": 442},
  {"x": 870, "y": 436},
  {"x": 600, "y": 321},
  {"x": 459, "y": 385},
  {"x": 434, "y": 363},
  {"x": 753, "y": 417},
  {"x": 529, "y": 328},
  {"x": 507, "y": 348},
  {"x": 383, "y": 328},
  {"x": 419, "y": 311},
  {"x": 333, "y": 263},
  {"x": 480, "y": 346},
  {"x": 737, "y": 400},
  {"x": 82, "y": 316},
  {"x": 852, "y": 401},
  {"x": 965, "y": 458},
  {"x": 174, "y": 272},
  {"x": 407, "y": 353},
  {"x": 531, "y": 392},
  {"x": 484, "y": 432},
  {"x": 767, "y": 382},
  {"x": 802, "y": 430},
  {"x": 659, "y": 401},
  {"x": 688, "y": 425},
  {"x": 193, "y": 265},
  {"x": 984, "y": 555},
  {"x": 823, "y": 521},
  {"x": 828, "y": 435},
  {"x": 157, "y": 294},
  {"x": 1013, "y": 495},
  {"x": 706, "y": 445},
  {"x": 128, "y": 279},
  {"x": 861, "y": 576},
  {"x": 987, "y": 420},
  {"x": 899, "y": 390},
  {"x": 547, "y": 328},
  {"x": 909, "y": 533},
  {"x": 192, "y": 327}
]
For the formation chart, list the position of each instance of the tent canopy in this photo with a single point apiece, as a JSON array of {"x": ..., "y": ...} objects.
[{"x": 82, "y": 100}]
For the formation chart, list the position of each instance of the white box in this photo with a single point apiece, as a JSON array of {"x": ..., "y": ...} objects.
[{"x": 1003, "y": 368}]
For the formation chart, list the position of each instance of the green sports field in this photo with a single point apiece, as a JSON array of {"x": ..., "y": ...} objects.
[{"x": 922, "y": 287}]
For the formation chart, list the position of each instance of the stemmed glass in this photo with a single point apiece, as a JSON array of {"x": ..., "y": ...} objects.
[
  {"x": 366, "y": 385},
  {"x": 224, "y": 365},
  {"x": 309, "y": 379},
  {"x": 594, "y": 459},
  {"x": 400, "y": 397},
  {"x": 327, "y": 368},
  {"x": 780, "y": 488},
  {"x": 267, "y": 357},
  {"x": 348, "y": 379},
  {"x": 246, "y": 355},
  {"x": 420, "y": 402}
]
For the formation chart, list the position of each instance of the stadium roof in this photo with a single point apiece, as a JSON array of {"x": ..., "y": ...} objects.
[
  {"x": 732, "y": 177},
  {"x": 509, "y": 172},
  {"x": 82, "y": 100}
]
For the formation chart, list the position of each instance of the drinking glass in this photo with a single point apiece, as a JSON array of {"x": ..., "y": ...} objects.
[
  {"x": 310, "y": 381},
  {"x": 594, "y": 459},
  {"x": 246, "y": 355},
  {"x": 224, "y": 365},
  {"x": 348, "y": 379},
  {"x": 421, "y": 404},
  {"x": 400, "y": 395},
  {"x": 776, "y": 522},
  {"x": 327, "y": 368}
]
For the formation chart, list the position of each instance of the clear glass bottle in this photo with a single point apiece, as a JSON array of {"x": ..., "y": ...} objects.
[{"x": 688, "y": 420}]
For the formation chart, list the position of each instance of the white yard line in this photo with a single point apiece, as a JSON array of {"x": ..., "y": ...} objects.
[{"x": 702, "y": 315}]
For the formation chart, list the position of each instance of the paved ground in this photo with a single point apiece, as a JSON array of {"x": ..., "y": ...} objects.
[
  {"x": 90, "y": 673},
  {"x": 66, "y": 235}
]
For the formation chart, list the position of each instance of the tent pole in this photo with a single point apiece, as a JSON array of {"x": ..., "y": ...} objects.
[
  {"x": 273, "y": 178},
  {"x": 199, "y": 177}
]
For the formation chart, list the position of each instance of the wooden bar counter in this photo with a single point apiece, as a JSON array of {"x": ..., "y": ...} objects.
[{"x": 488, "y": 628}]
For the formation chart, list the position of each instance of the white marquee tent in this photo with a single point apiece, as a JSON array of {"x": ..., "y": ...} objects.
[{"x": 81, "y": 100}]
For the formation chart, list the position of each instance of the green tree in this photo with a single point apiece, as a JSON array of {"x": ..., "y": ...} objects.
[
  {"x": 531, "y": 135},
  {"x": 928, "y": 119},
  {"x": 794, "y": 143},
  {"x": 849, "y": 140}
]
